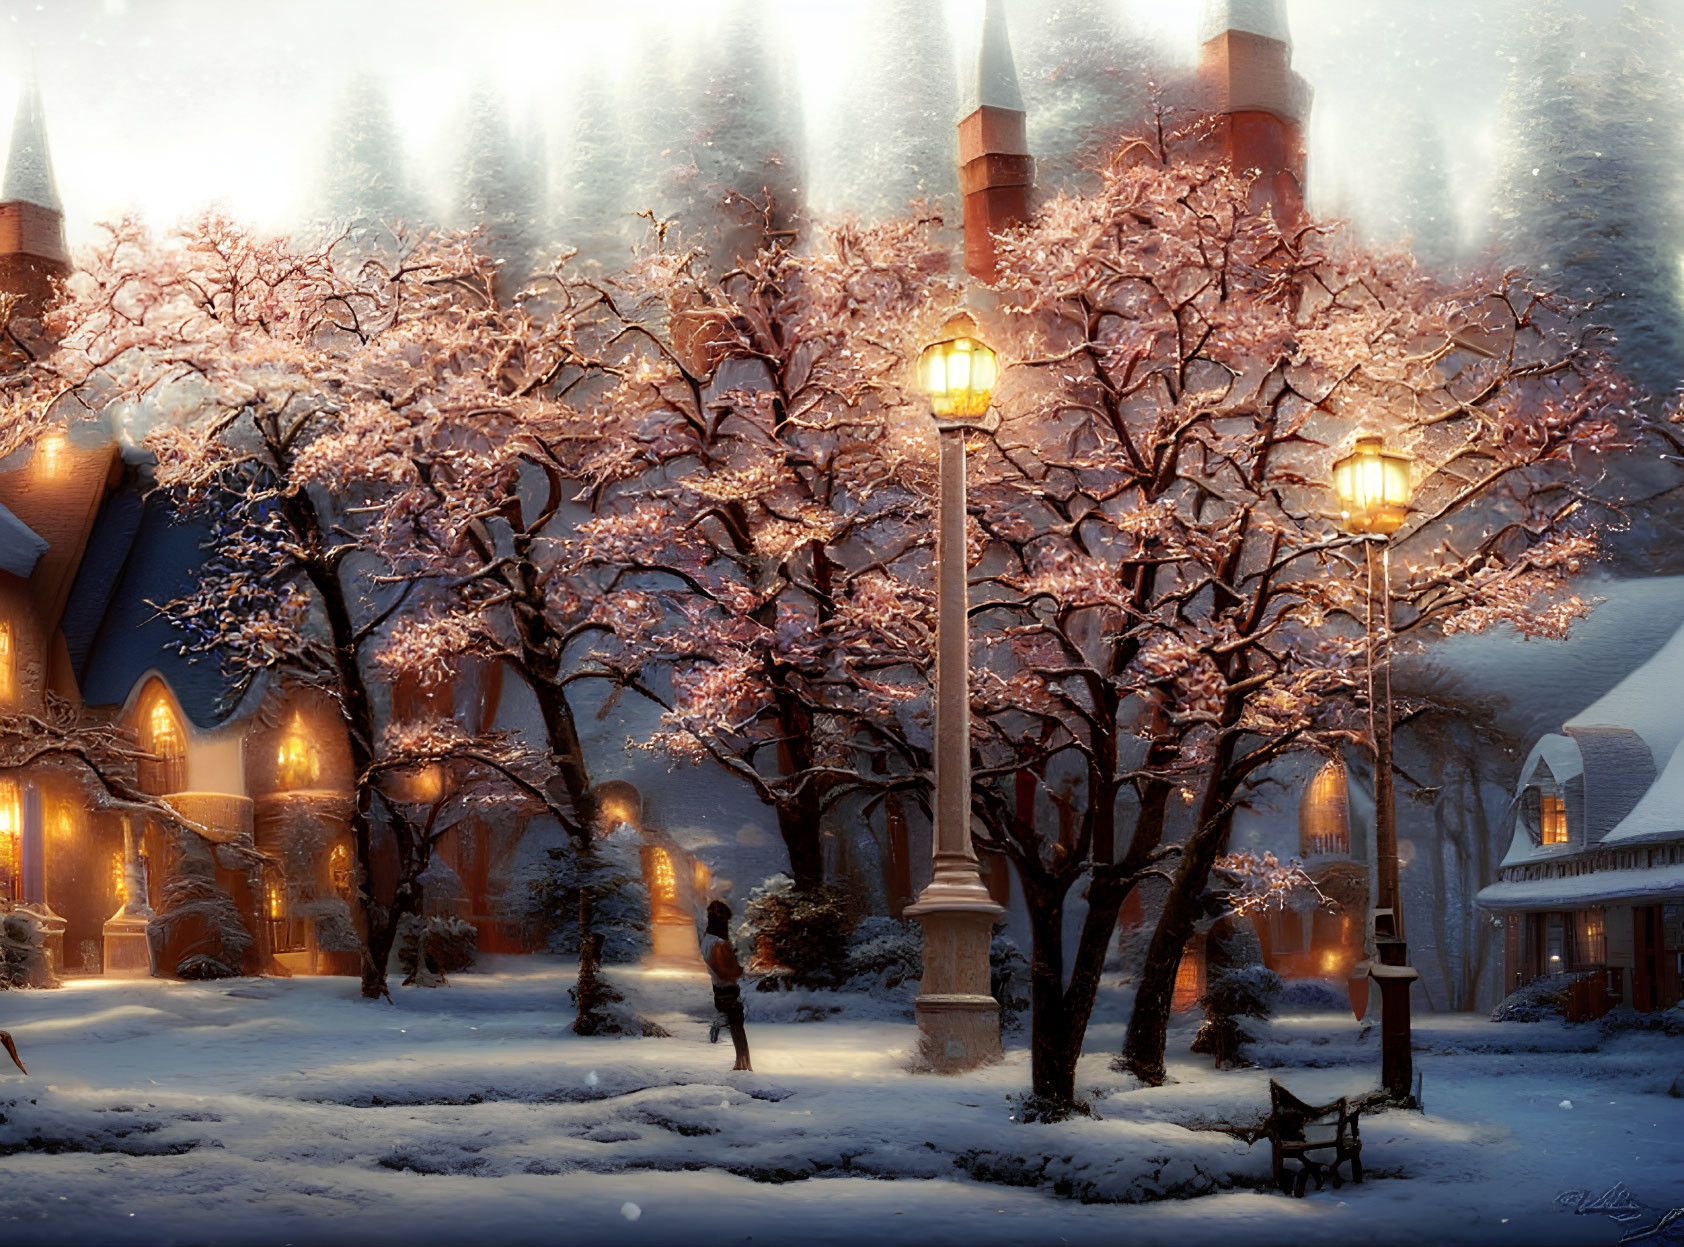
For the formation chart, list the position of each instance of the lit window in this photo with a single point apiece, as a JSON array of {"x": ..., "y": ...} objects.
[
  {"x": 8, "y": 663},
  {"x": 1593, "y": 943},
  {"x": 339, "y": 867},
  {"x": 11, "y": 838},
  {"x": 1189, "y": 981},
  {"x": 161, "y": 736},
  {"x": 50, "y": 454},
  {"x": 663, "y": 887},
  {"x": 286, "y": 934},
  {"x": 119, "y": 878},
  {"x": 1552, "y": 819},
  {"x": 297, "y": 763}
]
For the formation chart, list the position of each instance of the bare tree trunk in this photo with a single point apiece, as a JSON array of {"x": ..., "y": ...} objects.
[{"x": 1148, "y": 1029}]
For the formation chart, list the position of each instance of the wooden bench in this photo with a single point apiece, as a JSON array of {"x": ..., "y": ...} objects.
[{"x": 1319, "y": 1137}]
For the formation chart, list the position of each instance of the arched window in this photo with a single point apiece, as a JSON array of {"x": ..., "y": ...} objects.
[
  {"x": 11, "y": 839},
  {"x": 162, "y": 737},
  {"x": 298, "y": 764},
  {"x": 8, "y": 663}
]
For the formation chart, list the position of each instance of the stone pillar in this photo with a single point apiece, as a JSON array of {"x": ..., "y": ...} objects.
[
  {"x": 995, "y": 168},
  {"x": 958, "y": 1020},
  {"x": 126, "y": 952}
]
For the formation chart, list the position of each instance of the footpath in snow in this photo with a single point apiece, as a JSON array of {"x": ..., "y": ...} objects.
[{"x": 261, "y": 1111}]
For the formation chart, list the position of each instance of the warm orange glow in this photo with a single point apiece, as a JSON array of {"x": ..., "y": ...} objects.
[
  {"x": 162, "y": 736},
  {"x": 662, "y": 884},
  {"x": 339, "y": 870},
  {"x": 1324, "y": 814},
  {"x": 1552, "y": 819},
  {"x": 8, "y": 662},
  {"x": 1373, "y": 485},
  {"x": 297, "y": 763},
  {"x": 50, "y": 454},
  {"x": 958, "y": 373},
  {"x": 119, "y": 878},
  {"x": 1329, "y": 961},
  {"x": 1189, "y": 985},
  {"x": 275, "y": 899},
  {"x": 702, "y": 878},
  {"x": 11, "y": 837}
]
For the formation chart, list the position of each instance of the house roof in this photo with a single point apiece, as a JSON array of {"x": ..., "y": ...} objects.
[
  {"x": 1659, "y": 815},
  {"x": 1643, "y": 701},
  {"x": 1618, "y": 770},
  {"x": 21, "y": 547},
  {"x": 128, "y": 640},
  {"x": 1591, "y": 888}
]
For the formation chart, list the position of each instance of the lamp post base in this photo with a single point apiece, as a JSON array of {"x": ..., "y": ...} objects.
[
  {"x": 1397, "y": 1061},
  {"x": 958, "y": 1020}
]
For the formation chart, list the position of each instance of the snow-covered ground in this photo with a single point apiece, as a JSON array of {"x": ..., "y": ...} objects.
[{"x": 271, "y": 1111}]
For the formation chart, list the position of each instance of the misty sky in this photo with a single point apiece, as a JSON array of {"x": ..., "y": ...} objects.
[{"x": 162, "y": 106}]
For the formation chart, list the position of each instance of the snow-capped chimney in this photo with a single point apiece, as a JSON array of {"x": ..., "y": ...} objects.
[
  {"x": 33, "y": 257},
  {"x": 1245, "y": 71},
  {"x": 995, "y": 168}
]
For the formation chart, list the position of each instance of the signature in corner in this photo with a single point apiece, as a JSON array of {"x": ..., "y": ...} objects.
[{"x": 1620, "y": 1204}]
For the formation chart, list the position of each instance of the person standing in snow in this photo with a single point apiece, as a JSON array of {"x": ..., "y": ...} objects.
[{"x": 725, "y": 972}]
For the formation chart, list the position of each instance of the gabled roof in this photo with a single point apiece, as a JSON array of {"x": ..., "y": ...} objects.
[
  {"x": 29, "y": 164},
  {"x": 1660, "y": 813},
  {"x": 1645, "y": 701},
  {"x": 21, "y": 547},
  {"x": 1618, "y": 770},
  {"x": 1265, "y": 18},
  {"x": 129, "y": 639}
]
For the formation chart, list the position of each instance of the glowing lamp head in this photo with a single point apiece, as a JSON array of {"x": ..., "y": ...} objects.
[
  {"x": 958, "y": 374},
  {"x": 1373, "y": 485}
]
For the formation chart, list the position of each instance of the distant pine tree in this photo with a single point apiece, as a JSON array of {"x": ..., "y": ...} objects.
[
  {"x": 744, "y": 140},
  {"x": 499, "y": 187},
  {"x": 597, "y": 188},
  {"x": 1591, "y": 186},
  {"x": 891, "y": 136},
  {"x": 362, "y": 181},
  {"x": 1085, "y": 81}
]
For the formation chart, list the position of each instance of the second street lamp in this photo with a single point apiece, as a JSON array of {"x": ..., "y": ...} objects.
[
  {"x": 958, "y": 1020},
  {"x": 1373, "y": 486}
]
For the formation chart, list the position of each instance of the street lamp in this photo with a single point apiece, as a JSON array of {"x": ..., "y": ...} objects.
[
  {"x": 958, "y": 1020},
  {"x": 1373, "y": 486}
]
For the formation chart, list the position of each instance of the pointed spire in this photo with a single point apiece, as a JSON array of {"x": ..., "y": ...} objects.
[
  {"x": 995, "y": 170},
  {"x": 1264, "y": 18},
  {"x": 29, "y": 166},
  {"x": 996, "y": 71}
]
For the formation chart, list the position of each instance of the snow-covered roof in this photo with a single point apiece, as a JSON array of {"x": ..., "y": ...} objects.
[
  {"x": 21, "y": 547},
  {"x": 996, "y": 72},
  {"x": 1254, "y": 17},
  {"x": 29, "y": 166},
  {"x": 1592, "y": 888},
  {"x": 1618, "y": 770},
  {"x": 1660, "y": 814},
  {"x": 1645, "y": 701},
  {"x": 1561, "y": 757}
]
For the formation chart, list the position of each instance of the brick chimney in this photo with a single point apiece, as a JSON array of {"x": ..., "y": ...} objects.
[
  {"x": 1261, "y": 103},
  {"x": 33, "y": 257},
  {"x": 995, "y": 168}
]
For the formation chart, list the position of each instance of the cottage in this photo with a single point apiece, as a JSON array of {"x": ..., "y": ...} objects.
[{"x": 1593, "y": 880}]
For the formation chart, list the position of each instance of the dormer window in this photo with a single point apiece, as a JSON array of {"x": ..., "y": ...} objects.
[{"x": 1552, "y": 819}]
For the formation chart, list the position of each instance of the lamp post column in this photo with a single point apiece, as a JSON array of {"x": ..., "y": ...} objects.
[
  {"x": 958, "y": 1020},
  {"x": 1392, "y": 972}
]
